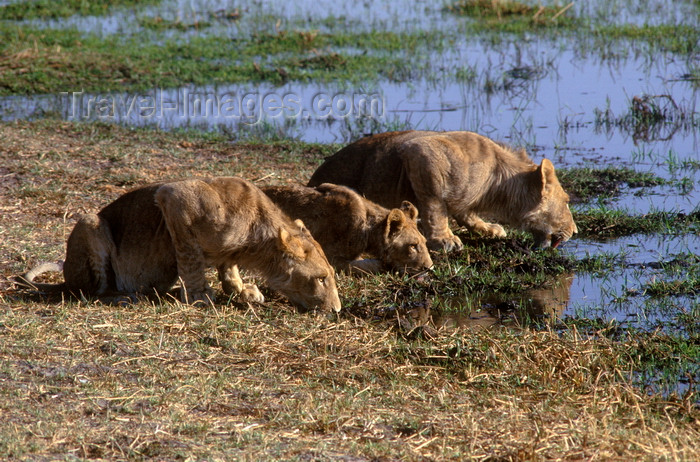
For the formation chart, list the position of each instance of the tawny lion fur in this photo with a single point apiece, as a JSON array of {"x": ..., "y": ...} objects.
[
  {"x": 349, "y": 226},
  {"x": 455, "y": 174},
  {"x": 150, "y": 237}
]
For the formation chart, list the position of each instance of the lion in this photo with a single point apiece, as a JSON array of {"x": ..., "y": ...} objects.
[
  {"x": 458, "y": 174},
  {"x": 153, "y": 236},
  {"x": 348, "y": 226}
]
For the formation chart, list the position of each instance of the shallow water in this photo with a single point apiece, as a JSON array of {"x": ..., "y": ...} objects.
[
  {"x": 554, "y": 114},
  {"x": 614, "y": 296},
  {"x": 619, "y": 294}
]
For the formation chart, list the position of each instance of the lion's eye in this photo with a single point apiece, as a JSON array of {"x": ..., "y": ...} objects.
[
  {"x": 322, "y": 280},
  {"x": 413, "y": 248}
]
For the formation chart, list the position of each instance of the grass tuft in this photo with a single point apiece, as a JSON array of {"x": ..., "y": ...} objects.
[
  {"x": 513, "y": 13},
  {"x": 650, "y": 117}
]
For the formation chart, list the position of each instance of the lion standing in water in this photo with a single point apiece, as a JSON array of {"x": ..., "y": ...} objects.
[
  {"x": 150, "y": 237},
  {"x": 455, "y": 174}
]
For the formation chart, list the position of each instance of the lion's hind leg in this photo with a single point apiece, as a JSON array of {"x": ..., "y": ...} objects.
[{"x": 88, "y": 268}]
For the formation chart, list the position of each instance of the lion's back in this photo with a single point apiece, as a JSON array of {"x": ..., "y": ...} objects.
[{"x": 371, "y": 166}]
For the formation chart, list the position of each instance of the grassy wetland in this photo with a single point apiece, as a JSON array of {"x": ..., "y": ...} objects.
[{"x": 502, "y": 352}]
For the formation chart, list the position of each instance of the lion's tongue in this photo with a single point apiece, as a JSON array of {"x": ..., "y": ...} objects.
[{"x": 556, "y": 242}]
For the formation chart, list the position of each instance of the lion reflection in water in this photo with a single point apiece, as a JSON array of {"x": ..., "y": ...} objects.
[{"x": 545, "y": 304}]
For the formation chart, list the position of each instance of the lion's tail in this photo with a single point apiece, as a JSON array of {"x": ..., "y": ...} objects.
[{"x": 26, "y": 281}]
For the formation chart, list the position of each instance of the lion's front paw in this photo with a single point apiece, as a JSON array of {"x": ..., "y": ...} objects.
[
  {"x": 251, "y": 294},
  {"x": 448, "y": 243},
  {"x": 494, "y": 230}
]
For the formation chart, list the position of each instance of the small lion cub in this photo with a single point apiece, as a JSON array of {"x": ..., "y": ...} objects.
[{"x": 348, "y": 226}]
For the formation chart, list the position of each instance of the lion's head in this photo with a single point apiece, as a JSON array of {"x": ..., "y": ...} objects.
[
  {"x": 404, "y": 246},
  {"x": 550, "y": 221},
  {"x": 307, "y": 279}
]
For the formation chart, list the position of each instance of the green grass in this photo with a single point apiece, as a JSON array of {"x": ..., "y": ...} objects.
[
  {"x": 687, "y": 286},
  {"x": 674, "y": 355},
  {"x": 506, "y": 16},
  {"x": 676, "y": 38},
  {"x": 48, "y": 9},
  {"x": 158, "y": 23},
  {"x": 94, "y": 64},
  {"x": 600, "y": 264},
  {"x": 36, "y": 61}
]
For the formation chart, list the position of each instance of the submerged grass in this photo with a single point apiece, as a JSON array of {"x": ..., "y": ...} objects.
[
  {"x": 600, "y": 264},
  {"x": 520, "y": 18},
  {"x": 384, "y": 380},
  {"x": 159, "y": 23},
  {"x": 676, "y": 38},
  {"x": 687, "y": 286}
]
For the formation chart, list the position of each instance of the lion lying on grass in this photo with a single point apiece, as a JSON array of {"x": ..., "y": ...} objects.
[
  {"x": 455, "y": 174},
  {"x": 348, "y": 226},
  {"x": 150, "y": 237}
]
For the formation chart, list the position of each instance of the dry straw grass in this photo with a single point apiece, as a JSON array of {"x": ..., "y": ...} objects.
[{"x": 167, "y": 381}]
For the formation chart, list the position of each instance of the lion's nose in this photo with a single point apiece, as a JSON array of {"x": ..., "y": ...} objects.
[{"x": 334, "y": 302}]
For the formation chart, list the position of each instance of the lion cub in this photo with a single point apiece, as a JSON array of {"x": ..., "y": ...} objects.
[
  {"x": 348, "y": 225},
  {"x": 150, "y": 237},
  {"x": 455, "y": 174}
]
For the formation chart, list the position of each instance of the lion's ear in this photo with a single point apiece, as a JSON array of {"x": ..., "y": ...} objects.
[
  {"x": 547, "y": 171},
  {"x": 302, "y": 228},
  {"x": 544, "y": 176},
  {"x": 409, "y": 210},
  {"x": 395, "y": 222},
  {"x": 299, "y": 223},
  {"x": 289, "y": 244}
]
